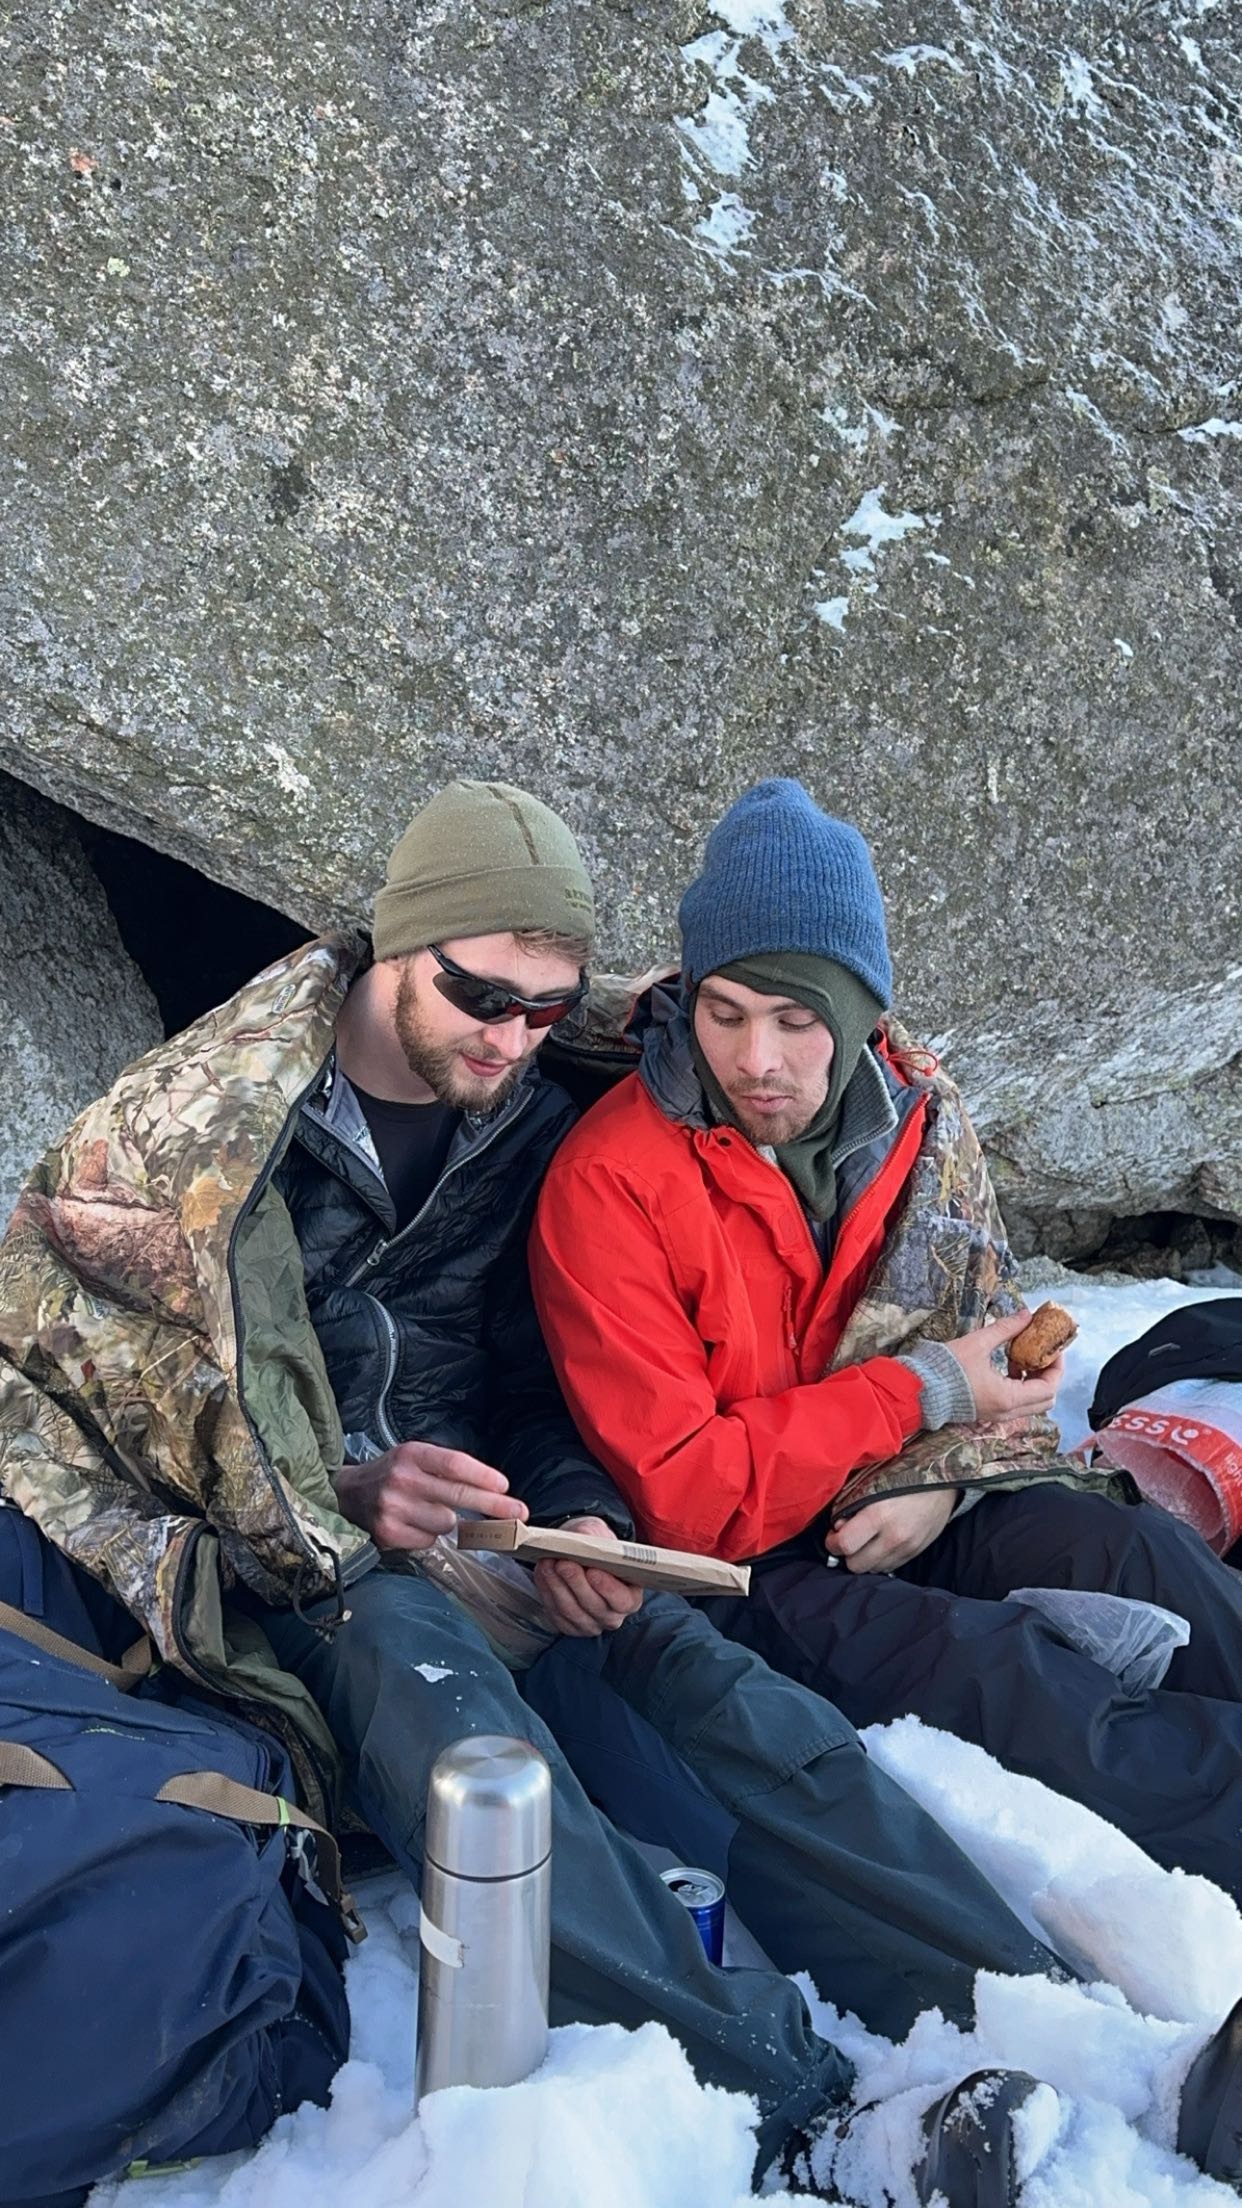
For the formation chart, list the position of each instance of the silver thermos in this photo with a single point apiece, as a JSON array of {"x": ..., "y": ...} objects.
[{"x": 485, "y": 1926}]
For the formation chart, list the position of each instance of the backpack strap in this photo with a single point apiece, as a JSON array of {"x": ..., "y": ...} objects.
[
  {"x": 134, "y": 1664},
  {"x": 225, "y": 1797},
  {"x": 213, "y": 1791},
  {"x": 22, "y": 1766}
]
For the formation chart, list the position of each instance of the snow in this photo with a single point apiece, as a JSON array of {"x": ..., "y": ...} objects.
[
  {"x": 858, "y": 435},
  {"x": 716, "y": 137},
  {"x": 1086, "y": 1889},
  {"x": 720, "y": 132},
  {"x": 910, "y": 59},
  {"x": 615, "y": 2119},
  {"x": 1202, "y": 432},
  {"x": 726, "y": 226},
  {"x": 761, "y": 19},
  {"x": 875, "y": 529},
  {"x": 1079, "y": 86},
  {"x": 878, "y": 528},
  {"x": 844, "y": 91}
]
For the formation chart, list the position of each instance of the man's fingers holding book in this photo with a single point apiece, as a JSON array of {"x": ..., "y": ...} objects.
[{"x": 585, "y": 1600}]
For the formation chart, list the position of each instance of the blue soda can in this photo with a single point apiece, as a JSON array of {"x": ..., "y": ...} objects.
[{"x": 703, "y": 1894}]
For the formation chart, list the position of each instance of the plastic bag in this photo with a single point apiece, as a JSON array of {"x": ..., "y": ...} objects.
[
  {"x": 497, "y": 1592},
  {"x": 1134, "y": 1640},
  {"x": 1182, "y": 1445}
]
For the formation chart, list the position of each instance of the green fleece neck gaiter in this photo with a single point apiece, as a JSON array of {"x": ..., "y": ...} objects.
[{"x": 849, "y": 1012}]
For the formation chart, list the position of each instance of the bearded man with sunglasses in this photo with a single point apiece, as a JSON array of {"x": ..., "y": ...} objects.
[{"x": 265, "y": 1316}]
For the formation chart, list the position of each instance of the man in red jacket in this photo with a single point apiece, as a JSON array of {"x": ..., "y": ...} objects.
[{"x": 774, "y": 1282}]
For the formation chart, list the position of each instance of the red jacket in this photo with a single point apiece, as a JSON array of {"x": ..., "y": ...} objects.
[{"x": 690, "y": 1318}]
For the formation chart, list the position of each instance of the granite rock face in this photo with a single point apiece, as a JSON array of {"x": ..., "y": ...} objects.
[
  {"x": 73, "y": 1007},
  {"x": 639, "y": 399},
  {"x": 1140, "y": 1113}
]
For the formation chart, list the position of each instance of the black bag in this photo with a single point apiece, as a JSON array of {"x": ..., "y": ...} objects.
[{"x": 1201, "y": 1341}]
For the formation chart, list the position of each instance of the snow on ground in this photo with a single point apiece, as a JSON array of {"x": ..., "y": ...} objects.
[{"x": 615, "y": 2119}]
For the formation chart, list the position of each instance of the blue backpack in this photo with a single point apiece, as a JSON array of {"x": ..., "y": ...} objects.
[{"x": 170, "y": 1965}]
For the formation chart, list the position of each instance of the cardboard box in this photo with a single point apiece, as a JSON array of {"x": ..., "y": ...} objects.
[{"x": 674, "y": 1571}]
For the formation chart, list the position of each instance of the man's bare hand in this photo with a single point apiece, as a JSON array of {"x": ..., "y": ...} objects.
[
  {"x": 983, "y": 1357},
  {"x": 584, "y": 1600},
  {"x": 407, "y": 1498},
  {"x": 885, "y": 1535}
]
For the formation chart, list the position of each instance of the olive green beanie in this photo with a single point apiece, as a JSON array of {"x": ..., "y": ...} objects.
[{"x": 481, "y": 858}]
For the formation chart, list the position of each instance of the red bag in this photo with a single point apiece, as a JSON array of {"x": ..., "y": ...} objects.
[{"x": 1182, "y": 1446}]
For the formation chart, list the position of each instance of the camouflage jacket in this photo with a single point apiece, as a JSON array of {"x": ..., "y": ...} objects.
[
  {"x": 165, "y": 1414},
  {"x": 946, "y": 1268}
]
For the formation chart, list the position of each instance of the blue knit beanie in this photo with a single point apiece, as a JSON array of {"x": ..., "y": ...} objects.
[{"x": 780, "y": 875}]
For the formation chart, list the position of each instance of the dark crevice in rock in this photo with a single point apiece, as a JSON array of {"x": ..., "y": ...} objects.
[
  {"x": 193, "y": 941},
  {"x": 1163, "y": 1245}
]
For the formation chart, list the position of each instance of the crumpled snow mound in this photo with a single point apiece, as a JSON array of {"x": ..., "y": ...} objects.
[
  {"x": 616, "y": 2119},
  {"x": 1170, "y": 1940}
]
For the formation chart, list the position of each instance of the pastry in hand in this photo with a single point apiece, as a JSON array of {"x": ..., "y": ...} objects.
[{"x": 1032, "y": 1351}]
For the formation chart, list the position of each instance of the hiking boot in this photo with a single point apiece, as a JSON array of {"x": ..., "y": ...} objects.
[
  {"x": 791, "y": 2168},
  {"x": 968, "y": 2159},
  {"x": 1209, "y": 2123}
]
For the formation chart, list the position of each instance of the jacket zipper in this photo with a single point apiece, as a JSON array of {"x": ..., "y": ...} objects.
[
  {"x": 384, "y": 1245},
  {"x": 390, "y": 1373},
  {"x": 791, "y": 1339}
]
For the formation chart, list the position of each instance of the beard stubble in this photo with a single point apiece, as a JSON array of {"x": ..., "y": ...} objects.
[{"x": 440, "y": 1064}]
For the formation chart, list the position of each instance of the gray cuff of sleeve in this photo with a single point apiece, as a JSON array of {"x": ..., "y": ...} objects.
[{"x": 947, "y": 1396}]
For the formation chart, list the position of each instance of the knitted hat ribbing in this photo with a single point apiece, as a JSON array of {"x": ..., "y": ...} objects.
[{"x": 780, "y": 875}]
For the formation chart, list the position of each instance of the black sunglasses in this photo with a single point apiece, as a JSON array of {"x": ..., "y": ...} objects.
[{"x": 489, "y": 1002}]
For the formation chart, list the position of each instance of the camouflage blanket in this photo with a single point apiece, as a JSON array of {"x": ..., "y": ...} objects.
[
  {"x": 165, "y": 1414},
  {"x": 945, "y": 1269}
]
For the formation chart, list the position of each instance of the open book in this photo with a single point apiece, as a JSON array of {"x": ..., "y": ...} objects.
[{"x": 674, "y": 1571}]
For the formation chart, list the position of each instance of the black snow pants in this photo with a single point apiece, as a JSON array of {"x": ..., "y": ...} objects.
[{"x": 938, "y": 1639}]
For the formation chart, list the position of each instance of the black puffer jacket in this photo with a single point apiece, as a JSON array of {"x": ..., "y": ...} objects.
[{"x": 431, "y": 1334}]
